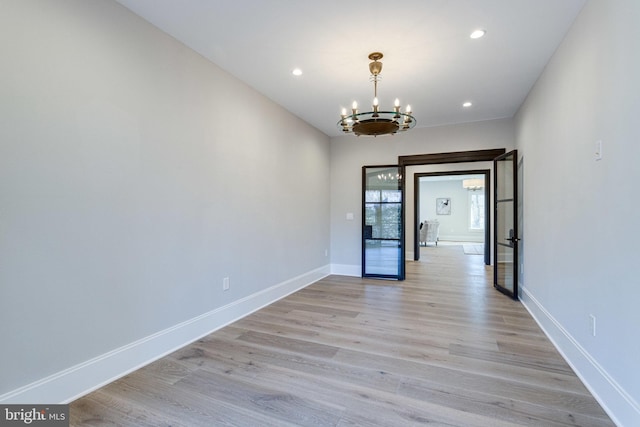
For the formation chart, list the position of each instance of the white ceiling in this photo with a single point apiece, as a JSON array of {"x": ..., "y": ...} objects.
[{"x": 429, "y": 60}]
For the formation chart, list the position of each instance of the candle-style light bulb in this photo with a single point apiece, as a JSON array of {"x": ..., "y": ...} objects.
[
  {"x": 407, "y": 117},
  {"x": 396, "y": 108},
  {"x": 354, "y": 106},
  {"x": 344, "y": 113},
  {"x": 375, "y": 107}
]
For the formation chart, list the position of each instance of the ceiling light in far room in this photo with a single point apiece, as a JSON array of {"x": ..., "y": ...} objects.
[
  {"x": 296, "y": 72},
  {"x": 467, "y": 104},
  {"x": 376, "y": 122},
  {"x": 473, "y": 184},
  {"x": 477, "y": 34}
]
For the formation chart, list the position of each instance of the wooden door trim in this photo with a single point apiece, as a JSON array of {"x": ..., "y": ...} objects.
[{"x": 453, "y": 157}]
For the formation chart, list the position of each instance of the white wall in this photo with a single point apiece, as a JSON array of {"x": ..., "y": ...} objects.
[
  {"x": 349, "y": 154},
  {"x": 581, "y": 215},
  {"x": 129, "y": 188}
]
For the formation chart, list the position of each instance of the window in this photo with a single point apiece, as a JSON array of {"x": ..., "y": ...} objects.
[
  {"x": 476, "y": 210},
  {"x": 382, "y": 213}
]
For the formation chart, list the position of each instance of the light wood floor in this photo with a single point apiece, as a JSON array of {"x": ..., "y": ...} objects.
[{"x": 442, "y": 348}]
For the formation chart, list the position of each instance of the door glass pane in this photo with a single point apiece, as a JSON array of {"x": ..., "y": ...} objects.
[
  {"x": 382, "y": 225},
  {"x": 372, "y": 195},
  {"x": 504, "y": 256},
  {"x": 504, "y": 177}
]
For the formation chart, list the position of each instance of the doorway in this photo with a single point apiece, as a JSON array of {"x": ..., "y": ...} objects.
[
  {"x": 453, "y": 207},
  {"x": 439, "y": 159}
]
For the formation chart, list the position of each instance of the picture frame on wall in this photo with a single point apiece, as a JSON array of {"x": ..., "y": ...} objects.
[{"x": 443, "y": 206}]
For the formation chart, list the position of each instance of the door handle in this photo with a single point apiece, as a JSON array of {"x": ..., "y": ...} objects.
[{"x": 512, "y": 237}]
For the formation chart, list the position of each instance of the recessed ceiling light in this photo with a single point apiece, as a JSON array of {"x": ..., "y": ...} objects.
[
  {"x": 477, "y": 34},
  {"x": 467, "y": 104},
  {"x": 297, "y": 72}
]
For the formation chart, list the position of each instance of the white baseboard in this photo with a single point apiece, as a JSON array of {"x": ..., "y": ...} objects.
[
  {"x": 621, "y": 407},
  {"x": 76, "y": 381},
  {"x": 346, "y": 270}
]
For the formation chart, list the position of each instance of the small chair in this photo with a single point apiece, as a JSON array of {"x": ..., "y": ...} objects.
[{"x": 429, "y": 232}]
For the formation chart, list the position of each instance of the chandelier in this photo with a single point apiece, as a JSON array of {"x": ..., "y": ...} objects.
[
  {"x": 473, "y": 184},
  {"x": 376, "y": 122},
  {"x": 389, "y": 176}
]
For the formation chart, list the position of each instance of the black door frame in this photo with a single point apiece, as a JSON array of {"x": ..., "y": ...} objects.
[
  {"x": 514, "y": 239},
  {"x": 435, "y": 159},
  {"x": 401, "y": 242}
]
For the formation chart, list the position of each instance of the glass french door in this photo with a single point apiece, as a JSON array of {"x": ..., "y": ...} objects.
[
  {"x": 382, "y": 228},
  {"x": 505, "y": 243}
]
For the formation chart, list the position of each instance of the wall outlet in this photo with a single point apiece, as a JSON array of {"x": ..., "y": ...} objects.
[
  {"x": 225, "y": 284},
  {"x": 326, "y": 252},
  {"x": 592, "y": 323}
]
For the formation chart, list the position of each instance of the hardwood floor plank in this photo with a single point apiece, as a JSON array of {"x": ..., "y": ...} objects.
[
  {"x": 166, "y": 370},
  {"x": 371, "y": 406},
  {"x": 506, "y": 408},
  {"x": 99, "y": 410},
  {"x": 259, "y": 359},
  {"x": 271, "y": 402},
  {"x": 503, "y": 388},
  {"x": 180, "y": 405},
  {"x": 506, "y": 358},
  {"x": 290, "y": 344},
  {"x": 441, "y": 348},
  {"x": 314, "y": 309}
]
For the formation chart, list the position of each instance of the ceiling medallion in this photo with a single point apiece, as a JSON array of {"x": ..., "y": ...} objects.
[{"x": 376, "y": 122}]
